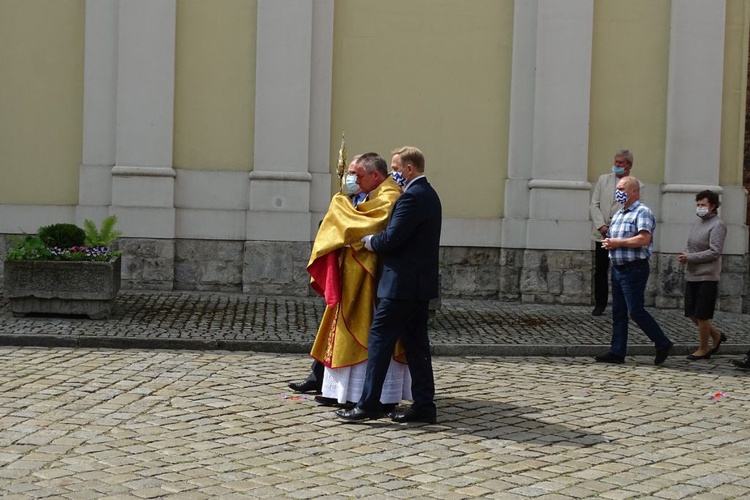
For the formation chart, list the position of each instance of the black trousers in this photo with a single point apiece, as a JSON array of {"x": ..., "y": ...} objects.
[
  {"x": 601, "y": 276},
  {"x": 316, "y": 374}
]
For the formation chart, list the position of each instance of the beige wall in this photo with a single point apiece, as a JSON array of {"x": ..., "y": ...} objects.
[
  {"x": 630, "y": 71},
  {"x": 41, "y": 100},
  {"x": 433, "y": 74},
  {"x": 215, "y": 85},
  {"x": 438, "y": 76},
  {"x": 735, "y": 86}
]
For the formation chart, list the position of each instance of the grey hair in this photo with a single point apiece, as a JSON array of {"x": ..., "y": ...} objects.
[
  {"x": 625, "y": 153},
  {"x": 373, "y": 162}
]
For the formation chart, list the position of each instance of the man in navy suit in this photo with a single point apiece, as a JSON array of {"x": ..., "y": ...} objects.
[{"x": 408, "y": 250}]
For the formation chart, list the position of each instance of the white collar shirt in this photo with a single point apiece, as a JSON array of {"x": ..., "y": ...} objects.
[{"x": 412, "y": 181}]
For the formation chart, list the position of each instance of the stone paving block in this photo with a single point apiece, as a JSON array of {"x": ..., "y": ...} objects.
[
  {"x": 85, "y": 494},
  {"x": 528, "y": 491},
  {"x": 521, "y": 480},
  {"x": 186, "y": 495},
  {"x": 619, "y": 494},
  {"x": 680, "y": 491},
  {"x": 590, "y": 474},
  {"x": 540, "y": 474}
]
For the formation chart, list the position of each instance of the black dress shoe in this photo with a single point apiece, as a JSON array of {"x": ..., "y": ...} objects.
[
  {"x": 306, "y": 386},
  {"x": 412, "y": 415},
  {"x": 610, "y": 357},
  {"x": 693, "y": 357},
  {"x": 598, "y": 311},
  {"x": 742, "y": 364},
  {"x": 662, "y": 353},
  {"x": 357, "y": 414},
  {"x": 324, "y": 401}
]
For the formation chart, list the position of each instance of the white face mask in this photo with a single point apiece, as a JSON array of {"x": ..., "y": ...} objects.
[
  {"x": 350, "y": 186},
  {"x": 701, "y": 211}
]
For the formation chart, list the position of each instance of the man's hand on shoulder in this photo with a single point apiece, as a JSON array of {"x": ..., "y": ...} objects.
[{"x": 366, "y": 241}]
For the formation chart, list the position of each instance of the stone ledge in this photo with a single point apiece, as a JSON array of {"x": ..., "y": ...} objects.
[{"x": 478, "y": 350}]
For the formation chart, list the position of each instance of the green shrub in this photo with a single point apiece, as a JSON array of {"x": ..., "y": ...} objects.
[
  {"x": 101, "y": 237},
  {"x": 27, "y": 248},
  {"x": 67, "y": 242},
  {"x": 62, "y": 235}
]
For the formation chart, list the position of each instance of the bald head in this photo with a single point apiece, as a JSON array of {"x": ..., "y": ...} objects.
[{"x": 630, "y": 186}]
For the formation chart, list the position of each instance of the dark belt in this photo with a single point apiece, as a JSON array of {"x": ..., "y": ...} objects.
[{"x": 632, "y": 263}]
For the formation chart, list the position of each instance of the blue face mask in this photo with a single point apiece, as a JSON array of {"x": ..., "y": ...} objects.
[
  {"x": 618, "y": 170},
  {"x": 400, "y": 180},
  {"x": 350, "y": 186},
  {"x": 621, "y": 197}
]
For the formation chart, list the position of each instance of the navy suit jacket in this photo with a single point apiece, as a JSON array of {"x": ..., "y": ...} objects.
[{"x": 409, "y": 247}]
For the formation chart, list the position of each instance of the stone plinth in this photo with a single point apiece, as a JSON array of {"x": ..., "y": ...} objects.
[{"x": 62, "y": 287}]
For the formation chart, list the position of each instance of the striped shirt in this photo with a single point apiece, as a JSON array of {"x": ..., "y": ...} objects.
[{"x": 626, "y": 223}]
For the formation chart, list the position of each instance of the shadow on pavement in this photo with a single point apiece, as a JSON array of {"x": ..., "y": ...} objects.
[{"x": 495, "y": 420}]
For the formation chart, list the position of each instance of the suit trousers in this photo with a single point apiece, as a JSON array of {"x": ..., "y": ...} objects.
[{"x": 407, "y": 320}]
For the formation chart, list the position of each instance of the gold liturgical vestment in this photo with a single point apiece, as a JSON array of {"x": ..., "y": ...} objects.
[{"x": 345, "y": 273}]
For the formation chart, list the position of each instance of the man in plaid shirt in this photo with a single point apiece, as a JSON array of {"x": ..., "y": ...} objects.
[{"x": 630, "y": 243}]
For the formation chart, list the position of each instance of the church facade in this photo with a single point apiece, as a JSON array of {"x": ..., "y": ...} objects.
[{"x": 211, "y": 129}]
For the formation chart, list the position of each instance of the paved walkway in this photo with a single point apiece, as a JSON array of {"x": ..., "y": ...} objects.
[
  {"x": 81, "y": 421},
  {"x": 192, "y": 320},
  {"x": 181, "y": 425}
]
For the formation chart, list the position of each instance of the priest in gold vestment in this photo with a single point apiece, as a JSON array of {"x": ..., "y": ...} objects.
[{"x": 345, "y": 274}]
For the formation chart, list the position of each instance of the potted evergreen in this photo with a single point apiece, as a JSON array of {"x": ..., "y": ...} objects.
[{"x": 64, "y": 270}]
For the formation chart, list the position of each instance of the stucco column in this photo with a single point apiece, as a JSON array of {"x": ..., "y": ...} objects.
[
  {"x": 545, "y": 215},
  {"x": 143, "y": 177},
  {"x": 521, "y": 129},
  {"x": 290, "y": 181},
  {"x": 321, "y": 90},
  {"x": 280, "y": 181},
  {"x": 99, "y": 110},
  {"x": 694, "y": 111},
  {"x": 549, "y": 130}
]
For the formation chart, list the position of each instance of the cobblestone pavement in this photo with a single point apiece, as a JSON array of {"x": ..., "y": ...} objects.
[
  {"x": 225, "y": 321},
  {"x": 94, "y": 423}
]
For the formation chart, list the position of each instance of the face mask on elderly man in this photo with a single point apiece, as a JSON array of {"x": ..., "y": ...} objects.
[
  {"x": 350, "y": 186},
  {"x": 621, "y": 197}
]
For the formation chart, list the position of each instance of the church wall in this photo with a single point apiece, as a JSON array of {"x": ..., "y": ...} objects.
[
  {"x": 630, "y": 66},
  {"x": 41, "y": 96},
  {"x": 431, "y": 74},
  {"x": 227, "y": 192},
  {"x": 214, "y": 85}
]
